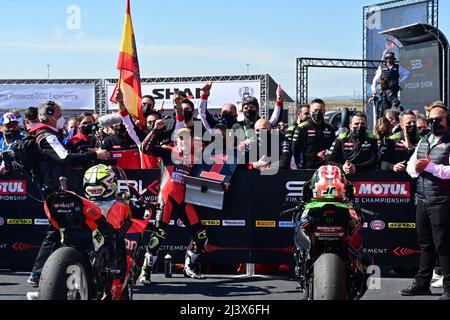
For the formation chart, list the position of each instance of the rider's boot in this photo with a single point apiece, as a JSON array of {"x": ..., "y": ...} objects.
[
  {"x": 190, "y": 268},
  {"x": 146, "y": 270}
]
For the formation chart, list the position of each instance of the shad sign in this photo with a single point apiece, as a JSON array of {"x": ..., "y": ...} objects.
[{"x": 221, "y": 93}]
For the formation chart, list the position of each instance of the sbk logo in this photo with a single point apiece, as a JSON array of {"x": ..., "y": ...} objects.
[
  {"x": 295, "y": 188},
  {"x": 13, "y": 187},
  {"x": 138, "y": 185},
  {"x": 382, "y": 189}
]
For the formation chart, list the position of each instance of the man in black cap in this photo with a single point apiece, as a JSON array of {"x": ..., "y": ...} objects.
[{"x": 389, "y": 76}]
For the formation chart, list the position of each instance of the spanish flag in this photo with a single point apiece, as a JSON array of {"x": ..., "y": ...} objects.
[{"x": 128, "y": 65}]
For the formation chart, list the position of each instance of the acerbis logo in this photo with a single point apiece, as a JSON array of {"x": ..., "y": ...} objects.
[
  {"x": 9, "y": 187},
  {"x": 377, "y": 225},
  {"x": 381, "y": 189},
  {"x": 19, "y": 221},
  {"x": 401, "y": 225},
  {"x": 210, "y": 222}
]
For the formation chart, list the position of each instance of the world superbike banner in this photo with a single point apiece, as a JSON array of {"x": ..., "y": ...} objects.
[
  {"x": 248, "y": 229},
  {"x": 22, "y": 96},
  {"x": 221, "y": 93}
]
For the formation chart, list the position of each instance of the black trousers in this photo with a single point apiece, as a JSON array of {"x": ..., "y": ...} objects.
[
  {"x": 52, "y": 241},
  {"x": 433, "y": 227},
  {"x": 389, "y": 99}
]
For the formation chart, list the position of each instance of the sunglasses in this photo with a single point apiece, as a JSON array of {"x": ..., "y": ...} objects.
[{"x": 434, "y": 120}]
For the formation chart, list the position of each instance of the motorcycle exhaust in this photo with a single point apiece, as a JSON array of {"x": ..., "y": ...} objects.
[{"x": 303, "y": 239}]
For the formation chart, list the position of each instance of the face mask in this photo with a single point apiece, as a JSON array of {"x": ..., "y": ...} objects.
[
  {"x": 411, "y": 131},
  {"x": 150, "y": 127},
  {"x": 423, "y": 132},
  {"x": 438, "y": 129},
  {"x": 317, "y": 116},
  {"x": 227, "y": 119},
  {"x": 72, "y": 132},
  {"x": 60, "y": 123},
  {"x": 188, "y": 115},
  {"x": 359, "y": 132},
  {"x": 250, "y": 115},
  {"x": 120, "y": 129},
  {"x": 11, "y": 134}
]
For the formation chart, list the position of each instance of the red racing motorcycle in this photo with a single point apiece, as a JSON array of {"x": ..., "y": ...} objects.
[{"x": 100, "y": 257}]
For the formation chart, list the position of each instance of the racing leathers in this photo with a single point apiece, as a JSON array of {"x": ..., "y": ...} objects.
[{"x": 176, "y": 164}]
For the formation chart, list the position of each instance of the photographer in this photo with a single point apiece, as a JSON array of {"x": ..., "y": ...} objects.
[
  {"x": 10, "y": 135},
  {"x": 53, "y": 161}
]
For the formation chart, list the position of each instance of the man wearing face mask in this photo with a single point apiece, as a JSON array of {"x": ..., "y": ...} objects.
[
  {"x": 422, "y": 125},
  {"x": 53, "y": 161},
  {"x": 228, "y": 114},
  {"x": 399, "y": 147},
  {"x": 357, "y": 150},
  {"x": 263, "y": 143},
  {"x": 250, "y": 109},
  {"x": 71, "y": 129},
  {"x": 312, "y": 138},
  {"x": 10, "y": 135},
  {"x": 80, "y": 142},
  {"x": 430, "y": 164}
]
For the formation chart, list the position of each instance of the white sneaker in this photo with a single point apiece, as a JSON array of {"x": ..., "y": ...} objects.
[
  {"x": 439, "y": 283},
  {"x": 436, "y": 277}
]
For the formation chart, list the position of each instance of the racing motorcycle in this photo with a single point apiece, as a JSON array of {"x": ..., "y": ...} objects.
[
  {"x": 100, "y": 257},
  {"x": 330, "y": 263}
]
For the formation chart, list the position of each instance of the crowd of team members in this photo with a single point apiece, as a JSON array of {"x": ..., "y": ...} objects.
[{"x": 308, "y": 144}]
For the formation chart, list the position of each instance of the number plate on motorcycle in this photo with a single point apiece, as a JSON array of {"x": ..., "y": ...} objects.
[{"x": 328, "y": 231}]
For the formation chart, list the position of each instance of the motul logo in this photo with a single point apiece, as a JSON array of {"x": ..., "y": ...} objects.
[
  {"x": 380, "y": 189},
  {"x": 13, "y": 187}
]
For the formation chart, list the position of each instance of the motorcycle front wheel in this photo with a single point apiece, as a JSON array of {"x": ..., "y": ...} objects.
[{"x": 65, "y": 276}]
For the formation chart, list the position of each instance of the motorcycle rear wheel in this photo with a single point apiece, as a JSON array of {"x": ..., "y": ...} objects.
[
  {"x": 65, "y": 276},
  {"x": 329, "y": 278}
]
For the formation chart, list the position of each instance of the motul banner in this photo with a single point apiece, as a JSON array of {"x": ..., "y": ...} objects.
[
  {"x": 221, "y": 93},
  {"x": 70, "y": 96}
]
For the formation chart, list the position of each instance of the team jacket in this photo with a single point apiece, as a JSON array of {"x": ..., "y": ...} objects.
[
  {"x": 308, "y": 140},
  {"x": 394, "y": 151},
  {"x": 363, "y": 154}
]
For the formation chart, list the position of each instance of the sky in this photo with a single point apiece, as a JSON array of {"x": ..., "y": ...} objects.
[{"x": 187, "y": 38}]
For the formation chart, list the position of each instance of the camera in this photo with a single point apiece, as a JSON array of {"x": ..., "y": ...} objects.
[{"x": 9, "y": 159}]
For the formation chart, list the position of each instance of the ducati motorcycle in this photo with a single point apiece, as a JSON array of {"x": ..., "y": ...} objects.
[{"x": 100, "y": 257}]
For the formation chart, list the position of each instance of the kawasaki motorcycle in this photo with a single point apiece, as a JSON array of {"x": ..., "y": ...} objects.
[{"x": 330, "y": 263}]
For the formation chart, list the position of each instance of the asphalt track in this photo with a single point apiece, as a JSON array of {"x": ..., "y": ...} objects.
[{"x": 217, "y": 287}]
